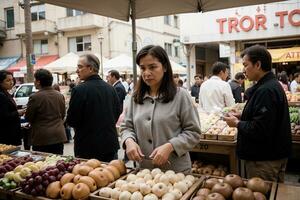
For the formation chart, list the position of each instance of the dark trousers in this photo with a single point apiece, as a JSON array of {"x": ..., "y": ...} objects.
[{"x": 53, "y": 148}]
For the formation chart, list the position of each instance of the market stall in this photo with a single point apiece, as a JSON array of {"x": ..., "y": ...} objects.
[{"x": 37, "y": 175}]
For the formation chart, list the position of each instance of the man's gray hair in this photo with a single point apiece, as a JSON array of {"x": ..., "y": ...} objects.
[{"x": 92, "y": 61}]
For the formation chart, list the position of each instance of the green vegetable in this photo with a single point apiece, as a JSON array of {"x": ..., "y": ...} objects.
[
  {"x": 7, "y": 186},
  {"x": 13, "y": 185}
]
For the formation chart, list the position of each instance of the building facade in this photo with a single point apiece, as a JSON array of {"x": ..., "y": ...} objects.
[
  {"x": 58, "y": 31},
  {"x": 223, "y": 34}
]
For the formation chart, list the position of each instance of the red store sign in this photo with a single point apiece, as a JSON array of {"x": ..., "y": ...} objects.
[{"x": 248, "y": 23}]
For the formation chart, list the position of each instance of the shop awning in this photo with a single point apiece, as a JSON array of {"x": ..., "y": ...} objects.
[
  {"x": 7, "y": 61},
  {"x": 40, "y": 63},
  {"x": 285, "y": 55}
]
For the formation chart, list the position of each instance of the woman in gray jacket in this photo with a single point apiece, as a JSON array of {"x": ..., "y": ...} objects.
[{"x": 161, "y": 124}]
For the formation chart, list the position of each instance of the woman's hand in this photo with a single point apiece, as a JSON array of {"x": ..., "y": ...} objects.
[
  {"x": 133, "y": 150},
  {"x": 161, "y": 154}
]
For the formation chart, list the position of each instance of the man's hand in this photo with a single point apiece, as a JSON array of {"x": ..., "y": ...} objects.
[
  {"x": 235, "y": 113},
  {"x": 161, "y": 154},
  {"x": 231, "y": 120},
  {"x": 133, "y": 150}
]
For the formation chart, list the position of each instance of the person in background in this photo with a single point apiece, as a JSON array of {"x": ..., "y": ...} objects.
[
  {"x": 295, "y": 83},
  {"x": 236, "y": 86},
  {"x": 46, "y": 112},
  {"x": 56, "y": 87},
  {"x": 180, "y": 83},
  {"x": 283, "y": 80},
  {"x": 176, "y": 78},
  {"x": 185, "y": 86},
  {"x": 215, "y": 93},
  {"x": 206, "y": 78},
  {"x": 195, "y": 89},
  {"x": 113, "y": 78},
  {"x": 125, "y": 84},
  {"x": 161, "y": 124},
  {"x": 264, "y": 129},
  {"x": 93, "y": 112},
  {"x": 10, "y": 126}
]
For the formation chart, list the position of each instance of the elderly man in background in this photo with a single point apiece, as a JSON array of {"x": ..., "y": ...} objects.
[{"x": 93, "y": 112}]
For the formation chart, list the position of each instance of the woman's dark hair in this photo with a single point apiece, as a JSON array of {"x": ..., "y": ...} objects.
[
  {"x": 44, "y": 76},
  {"x": 3, "y": 75},
  {"x": 167, "y": 89},
  {"x": 259, "y": 53},
  {"x": 282, "y": 77}
]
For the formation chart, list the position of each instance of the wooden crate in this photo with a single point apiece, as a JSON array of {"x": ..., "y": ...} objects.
[
  {"x": 270, "y": 196},
  {"x": 210, "y": 136},
  {"x": 295, "y": 137},
  {"x": 227, "y": 137},
  {"x": 227, "y": 148},
  {"x": 285, "y": 191},
  {"x": 186, "y": 196}
]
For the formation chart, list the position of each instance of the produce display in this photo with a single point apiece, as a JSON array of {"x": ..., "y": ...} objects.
[
  {"x": 23, "y": 167},
  {"x": 233, "y": 187},
  {"x": 150, "y": 185},
  {"x": 220, "y": 131},
  {"x": 5, "y": 147},
  {"x": 295, "y": 122},
  {"x": 37, "y": 182},
  {"x": 207, "y": 121},
  {"x": 293, "y": 97},
  {"x": 3, "y": 158},
  {"x": 74, "y": 180},
  {"x": 10, "y": 165},
  {"x": 208, "y": 169}
]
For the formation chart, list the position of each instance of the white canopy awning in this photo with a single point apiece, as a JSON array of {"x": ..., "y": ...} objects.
[
  {"x": 123, "y": 64},
  {"x": 67, "y": 63}
]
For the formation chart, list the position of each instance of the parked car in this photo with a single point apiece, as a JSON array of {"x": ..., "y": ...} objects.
[{"x": 22, "y": 94}]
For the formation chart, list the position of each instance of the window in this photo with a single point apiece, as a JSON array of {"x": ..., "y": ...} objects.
[
  {"x": 167, "y": 20},
  {"x": 77, "y": 44},
  {"x": 40, "y": 47},
  {"x": 9, "y": 17},
  {"x": 38, "y": 12},
  {"x": 176, "y": 25},
  {"x": 168, "y": 48},
  {"x": 72, "y": 12},
  {"x": 25, "y": 91},
  {"x": 176, "y": 51}
]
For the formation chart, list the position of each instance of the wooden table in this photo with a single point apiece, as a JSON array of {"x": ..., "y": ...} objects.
[
  {"x": 287, "y": 192},
  {"x": 220, "y": 147},
  {"x": 296, "y": 103}
]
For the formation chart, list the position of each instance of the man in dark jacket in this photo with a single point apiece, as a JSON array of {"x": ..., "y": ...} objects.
[
  {"x": 195, "y": 89},
  {"x": 264, "y": 130},
  {"x": 93, "y": 112},
  {"x": 236, "y": 86},
  {"x": 113, "y": 78}
]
